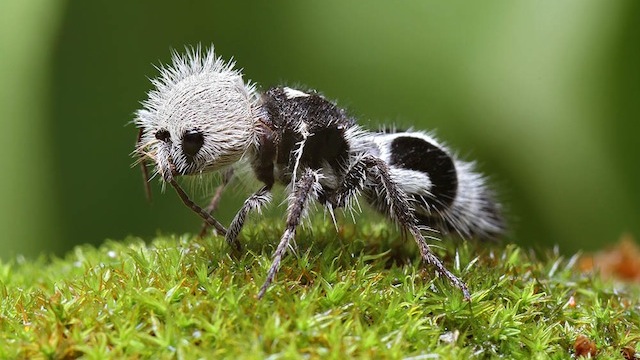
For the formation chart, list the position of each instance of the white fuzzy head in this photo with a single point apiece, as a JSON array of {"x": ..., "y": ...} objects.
[{"x": 200, "y": 116}]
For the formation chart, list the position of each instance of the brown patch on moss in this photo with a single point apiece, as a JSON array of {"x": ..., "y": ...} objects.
[
  {"x": 584, "y": 346},
  {"x": 620, "y": 262}
]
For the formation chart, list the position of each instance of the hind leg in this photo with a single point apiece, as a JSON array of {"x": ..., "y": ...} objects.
[{"x": 396, "y": 206}]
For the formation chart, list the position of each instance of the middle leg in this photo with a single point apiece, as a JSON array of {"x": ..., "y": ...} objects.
[
  {"x": 253, "y": 202},
  {"x": 305, "y": 189}
]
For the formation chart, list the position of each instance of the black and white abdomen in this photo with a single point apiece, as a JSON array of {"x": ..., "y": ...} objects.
[{"x": 446, "y": 194}]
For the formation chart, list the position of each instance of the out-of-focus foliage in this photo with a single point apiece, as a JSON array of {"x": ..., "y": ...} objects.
[{"x": 543, "y": 94}]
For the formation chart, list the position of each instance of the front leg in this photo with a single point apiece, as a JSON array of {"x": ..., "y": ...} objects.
[
  {"x": 398, "y": 208},
  {"x": 197, "y": 209},
  {"x": 215, "y": 200},
  {"x": 253, "y": 202},
  {"x": 305, "y": 189}
]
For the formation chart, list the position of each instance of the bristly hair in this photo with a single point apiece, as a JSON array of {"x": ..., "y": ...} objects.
[
  {"x": 198, "y": 92},
  {"x": 193, "y": 63}
]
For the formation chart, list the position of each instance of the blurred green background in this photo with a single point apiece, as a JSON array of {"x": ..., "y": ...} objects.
[{"x": 544, "y": 94}]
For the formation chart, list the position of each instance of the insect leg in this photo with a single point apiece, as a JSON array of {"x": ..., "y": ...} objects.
[
  {"x": 215, "y": 200},
  {"x": 400, "y": 210},
  {"x": 306, "y": 189},
  {"x": 197, "y": 209},
  {"x": 254, "y": 202},
  {"x": 351, "y": 185},
  {"x": 144, "y": 169}
]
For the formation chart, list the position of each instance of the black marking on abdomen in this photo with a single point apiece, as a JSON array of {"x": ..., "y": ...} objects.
[{"x": 417, "y": 154}]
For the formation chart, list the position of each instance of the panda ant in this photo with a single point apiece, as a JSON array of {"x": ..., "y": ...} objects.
[{"x": 202, "y": 117}]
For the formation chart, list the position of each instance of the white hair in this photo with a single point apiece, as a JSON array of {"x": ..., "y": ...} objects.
[{"x": 198, "y": 92}]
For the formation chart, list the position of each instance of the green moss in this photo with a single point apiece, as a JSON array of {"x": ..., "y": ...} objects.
[{"x": 360, "y": 292}]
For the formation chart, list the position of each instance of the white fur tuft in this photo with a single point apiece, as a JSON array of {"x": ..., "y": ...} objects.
[{"x": 198, "y": 91}]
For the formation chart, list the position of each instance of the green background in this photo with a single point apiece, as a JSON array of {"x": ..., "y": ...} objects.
[{"x": 545, "y": 95}]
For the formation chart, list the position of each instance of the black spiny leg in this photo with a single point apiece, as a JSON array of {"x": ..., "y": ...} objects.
[
  {"x": 399, "y": 209},
  {"x": 351, "y": 185},
  {"x": 215, "y": 200},
  {"x": 253, "y": 202},
  {"x": 305, "y": 189}
]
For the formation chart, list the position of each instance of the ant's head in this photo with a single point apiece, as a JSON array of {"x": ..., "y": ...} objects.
[{"x": 199, "y": 117}]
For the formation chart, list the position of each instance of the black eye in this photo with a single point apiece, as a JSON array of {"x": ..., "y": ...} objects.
[
  {"x": 163, "y": 135},
  {"x": 192, "y": 141}
]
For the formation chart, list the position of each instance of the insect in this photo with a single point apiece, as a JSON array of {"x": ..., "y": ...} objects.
[{"x": 201, "y": 117}]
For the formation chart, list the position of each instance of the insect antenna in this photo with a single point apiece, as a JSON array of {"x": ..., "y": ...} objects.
[{"x": 145, "y": 171}]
